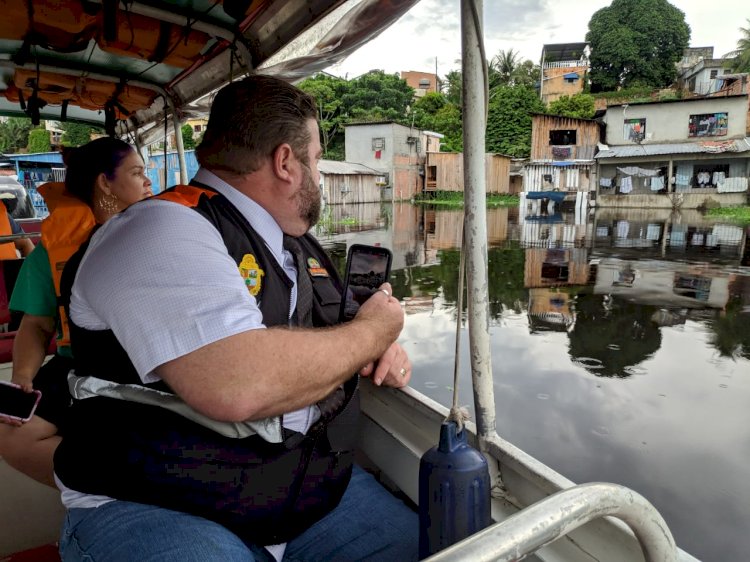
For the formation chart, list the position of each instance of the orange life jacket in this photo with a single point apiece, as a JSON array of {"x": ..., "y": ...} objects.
[
  {"x": 8, "y": 249},
  {"x": 68, "y": 225}
]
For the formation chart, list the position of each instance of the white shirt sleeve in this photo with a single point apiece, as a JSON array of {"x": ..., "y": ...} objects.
[{"x": 160, "y": 277}]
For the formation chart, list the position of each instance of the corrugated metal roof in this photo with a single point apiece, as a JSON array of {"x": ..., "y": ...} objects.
[
  {"x": 345, "y": 168},
  {"x": 702, "y": 147}
]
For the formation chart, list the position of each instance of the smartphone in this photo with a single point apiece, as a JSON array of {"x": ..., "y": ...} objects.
[
  {"x": 367, "y": 268},
  {"x": 17, "y": 404}
]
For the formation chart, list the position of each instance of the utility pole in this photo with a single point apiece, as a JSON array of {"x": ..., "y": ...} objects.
[{"x": 437, "y": 79}]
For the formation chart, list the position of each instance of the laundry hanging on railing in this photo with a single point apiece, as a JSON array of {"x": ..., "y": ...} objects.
[
  {"x": 626, "y": 184},
  {"x": 732, "y": 185},
  {"x": 605, "y": 182},
  {"x": 657, "y": 183},
  {"x": 638, "y": 172}
]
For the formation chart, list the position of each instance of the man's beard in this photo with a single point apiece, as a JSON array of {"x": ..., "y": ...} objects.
[{"x": 308, "y": 198}]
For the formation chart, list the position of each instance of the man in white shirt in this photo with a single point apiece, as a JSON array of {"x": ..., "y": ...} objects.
[{"x": 206, "y": 427}]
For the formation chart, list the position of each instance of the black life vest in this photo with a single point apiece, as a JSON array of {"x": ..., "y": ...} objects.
[{"x": 266, "y": 493}]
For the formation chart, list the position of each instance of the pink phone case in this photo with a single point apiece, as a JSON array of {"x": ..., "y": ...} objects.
[{"x": 33, "y": 408}]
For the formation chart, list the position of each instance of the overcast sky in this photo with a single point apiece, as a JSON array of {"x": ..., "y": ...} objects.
[{"x": 431, "y": 29}]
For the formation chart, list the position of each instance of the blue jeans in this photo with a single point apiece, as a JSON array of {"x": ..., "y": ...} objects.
[{"x": 368, "y": 524}]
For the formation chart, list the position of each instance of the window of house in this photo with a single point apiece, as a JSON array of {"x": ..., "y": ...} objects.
[
  {"x": 708, "y": 125},
  {"x": 198, "y": 128},
  {"x": 709, "y": 175},
  {"x": 691, "y": 85},
  {"x": 562, "y": 137},
  {"x": 378, "y": 143},
  {"x": 714, "y": 73},
  {"x": 635, "y": 130}
]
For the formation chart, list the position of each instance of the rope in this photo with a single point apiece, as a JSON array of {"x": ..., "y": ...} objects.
[{"x": 459, "y": 414}]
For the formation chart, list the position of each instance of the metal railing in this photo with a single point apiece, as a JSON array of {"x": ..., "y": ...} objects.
[{"x": 559, "y": 514}]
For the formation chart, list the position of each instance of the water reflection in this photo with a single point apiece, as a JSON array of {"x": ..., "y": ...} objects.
[{"x": 620, "y": 346}]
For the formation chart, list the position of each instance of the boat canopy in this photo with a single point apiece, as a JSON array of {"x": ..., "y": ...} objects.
[{"x": 123, "y": 65}]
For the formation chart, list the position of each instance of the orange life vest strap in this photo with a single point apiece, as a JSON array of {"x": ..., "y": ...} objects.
[
  {"x": 67, "y": 227},
  {"x": 8, "y": 249},
  {"x": 187, "y": 195}
]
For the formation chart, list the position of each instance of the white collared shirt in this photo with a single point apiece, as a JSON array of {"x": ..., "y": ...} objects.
[{"x": 160, "y": 277}]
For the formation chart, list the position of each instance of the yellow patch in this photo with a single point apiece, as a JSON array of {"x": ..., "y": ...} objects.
[{"x": 251, "y": 273}]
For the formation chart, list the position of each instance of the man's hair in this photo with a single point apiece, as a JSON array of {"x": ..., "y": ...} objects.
[
  {"x": 101, "y": 156},
  {"x": 250, "y": 119}
]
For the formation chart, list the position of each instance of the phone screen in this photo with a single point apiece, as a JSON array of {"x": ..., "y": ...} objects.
[
  {"x": 16, "y": 403},
  {"x": 367, "y": 268}
]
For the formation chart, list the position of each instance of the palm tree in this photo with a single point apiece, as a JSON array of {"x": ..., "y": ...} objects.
[
  {"x": 502, "y": 68},
  {"x": 741, "y": 57}
]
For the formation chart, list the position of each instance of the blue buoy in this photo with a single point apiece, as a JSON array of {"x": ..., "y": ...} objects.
[{"x": 454, "y": 492}]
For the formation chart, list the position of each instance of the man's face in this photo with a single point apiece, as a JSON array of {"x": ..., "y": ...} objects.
[{"x": 307, "y": 197}]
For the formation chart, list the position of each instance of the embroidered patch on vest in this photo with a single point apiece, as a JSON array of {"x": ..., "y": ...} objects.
[
  {"x": 251, "y": 273},
  {"x": 315, "y": 269}
]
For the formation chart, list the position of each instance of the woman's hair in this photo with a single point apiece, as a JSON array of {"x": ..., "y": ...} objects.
[
  {"x": 250, "y": 118},
  {"x": 85, "y": 163}
]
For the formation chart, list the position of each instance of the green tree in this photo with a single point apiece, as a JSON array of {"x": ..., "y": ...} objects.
[
  {"x": 377, "y": 96},
  {"x": 76, "y": 134},
  {"x": 509, "y": 120},
  {"x": 580, "y": 106},
  {"x": 502, "y": 68},
  {"x": 636, "y": 42},
  {"x": 435, "y": 113},
  {"x": 527, "y": 74},
  {"x": 188, "y": 140},
  {"x": 328, "y": 92},
  {"x": 452, "y": 86},
  {"x": 14, "y": 134},
  {"x": 741, "y": 57},
  {"x": 39, "y": 140}
]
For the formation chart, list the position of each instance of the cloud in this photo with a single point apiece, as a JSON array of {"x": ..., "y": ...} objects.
[{"x": 431, "y": 29}]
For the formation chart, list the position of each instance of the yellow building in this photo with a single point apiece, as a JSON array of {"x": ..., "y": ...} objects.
[{"x": 565, "y": 67}]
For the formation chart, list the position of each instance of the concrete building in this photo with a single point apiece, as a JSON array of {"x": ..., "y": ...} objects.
[
  {"x": 422, "y": 82},
  {"x": 700, "y": 73},
  {"x": 564, "y": 70},
  {"x": 675, "y": 154},
  {"x": 397, "y": 152}
]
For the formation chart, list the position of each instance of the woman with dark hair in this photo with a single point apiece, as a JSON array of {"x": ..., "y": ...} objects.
[{"x": 103, "y": 177}]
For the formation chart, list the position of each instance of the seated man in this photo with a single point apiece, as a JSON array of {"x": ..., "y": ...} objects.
[{"x": 215, "y": 407}]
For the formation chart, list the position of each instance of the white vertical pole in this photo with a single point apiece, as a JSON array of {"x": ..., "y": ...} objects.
[{"x": 475, "y": 212}]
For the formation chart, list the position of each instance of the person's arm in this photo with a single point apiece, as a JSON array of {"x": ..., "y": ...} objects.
[
  {"x": 30, "y": 348},
  {"x": 198, "y": 328},
  {"x": 24, "y": 245},
  {"x": 267, "y": 372}
]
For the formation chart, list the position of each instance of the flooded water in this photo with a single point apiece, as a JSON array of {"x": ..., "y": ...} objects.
[{"x": 620, "y": 347}]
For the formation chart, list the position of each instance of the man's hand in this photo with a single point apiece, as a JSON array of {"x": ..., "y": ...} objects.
[
  {"x": 392, "y": 369},
  {"x": 383, "y": 312}
]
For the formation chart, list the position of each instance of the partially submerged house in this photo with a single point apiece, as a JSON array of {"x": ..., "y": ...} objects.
[
  {"x": 562, "y": 158},
  {"x": 346, "y": 182},
  {"x": 444, "y": 171},
  {"x": 396, "y": 151},
  {"x": 678, "y": 153}
]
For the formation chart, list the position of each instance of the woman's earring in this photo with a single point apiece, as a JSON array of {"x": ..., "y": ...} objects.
[{"x": 109, "y": 203}]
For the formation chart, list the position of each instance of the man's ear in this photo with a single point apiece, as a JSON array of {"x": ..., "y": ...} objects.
[{"x": 282, "y": 162}]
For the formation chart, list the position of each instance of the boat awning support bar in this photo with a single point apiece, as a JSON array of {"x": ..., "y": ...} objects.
[
  {"x": 563, "y": 512},
  {"x": 180, "y": 145},
  {"x": 475, "y": 214}
]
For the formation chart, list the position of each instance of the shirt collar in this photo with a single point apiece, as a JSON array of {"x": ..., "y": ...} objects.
[{"x": 263, "y": 223}]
